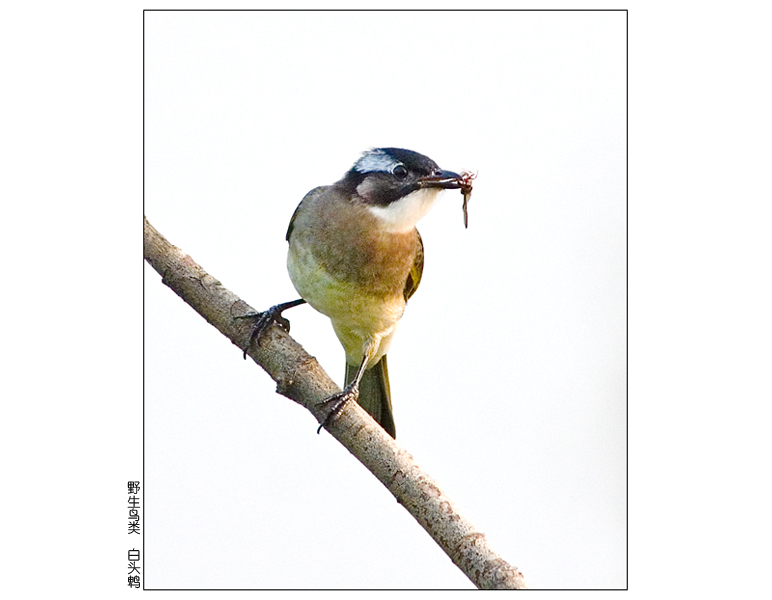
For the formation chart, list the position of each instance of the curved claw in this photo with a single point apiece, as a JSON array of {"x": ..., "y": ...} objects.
[
  {"x": 264, "y": 320},
  {"x": 338, "y": 402}
]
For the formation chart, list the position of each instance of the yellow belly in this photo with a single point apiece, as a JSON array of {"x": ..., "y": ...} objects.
[{"x": 362, "y": 321}]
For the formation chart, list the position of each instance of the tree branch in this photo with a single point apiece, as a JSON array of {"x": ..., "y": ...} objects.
[{"x": 299, "y": 377}]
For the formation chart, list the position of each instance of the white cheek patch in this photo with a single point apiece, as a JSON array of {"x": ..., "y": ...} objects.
[{"x": 402, "y": 215}]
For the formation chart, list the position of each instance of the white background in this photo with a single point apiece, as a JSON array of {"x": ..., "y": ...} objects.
[
  {"x": 529, "y": 437},
  {"x": 508, "y": 371}
]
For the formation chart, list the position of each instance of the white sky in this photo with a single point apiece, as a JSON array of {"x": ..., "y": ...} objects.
[
  {"x": 508, "y": 372},
  {"x": 242, "y": 120}
]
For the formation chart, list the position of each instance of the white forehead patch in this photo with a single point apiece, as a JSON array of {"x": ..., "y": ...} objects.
[
  {"x": 376, "y": 161},
  {"x": 402, "y": 215}
]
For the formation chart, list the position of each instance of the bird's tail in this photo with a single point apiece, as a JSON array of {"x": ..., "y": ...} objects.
[{"x": 374, "y": 394}]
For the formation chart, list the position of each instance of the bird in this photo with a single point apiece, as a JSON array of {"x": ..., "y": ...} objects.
[{"x": 356, "y": 256}]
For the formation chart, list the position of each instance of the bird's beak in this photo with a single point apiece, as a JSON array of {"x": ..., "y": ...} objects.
[{"x": 447, "y": 180}]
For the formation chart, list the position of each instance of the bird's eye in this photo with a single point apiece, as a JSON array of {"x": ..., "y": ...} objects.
[{"x": 400, "y": 172}]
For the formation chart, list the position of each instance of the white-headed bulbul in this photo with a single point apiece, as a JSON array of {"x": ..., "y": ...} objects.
[{"x": 355, "y": 255}]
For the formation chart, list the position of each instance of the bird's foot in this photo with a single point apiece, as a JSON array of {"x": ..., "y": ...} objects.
[
  {"x": 264, "y": 319},
  {"x": 337, "y": 403}
]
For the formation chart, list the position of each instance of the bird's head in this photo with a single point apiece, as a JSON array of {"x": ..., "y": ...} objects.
[{"x": 398, "y": 186}]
